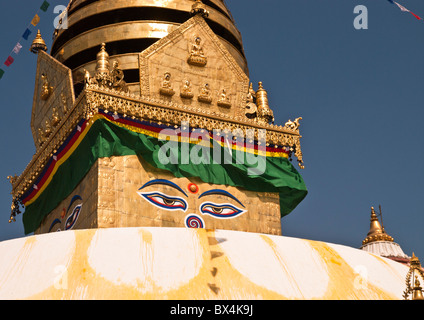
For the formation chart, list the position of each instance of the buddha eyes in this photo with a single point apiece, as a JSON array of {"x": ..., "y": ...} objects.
[
  {"x": 164, "y": 201},
  {"x": 221, "y": 211}
]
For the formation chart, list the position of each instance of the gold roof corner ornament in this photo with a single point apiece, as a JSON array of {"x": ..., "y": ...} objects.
[
  {"x": 376, "y": 232},
  {"x": 293, "y": 125},
  {"x": 265, "y": 114},
  {"x": 199, "y": 7},
  {"x": 415, "y": 271},
  {"x": 106, "y": 77},
  {"x": 38, "y": 44}
]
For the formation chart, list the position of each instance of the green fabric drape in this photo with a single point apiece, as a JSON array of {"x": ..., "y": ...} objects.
[{"x": 106, "y": 139}]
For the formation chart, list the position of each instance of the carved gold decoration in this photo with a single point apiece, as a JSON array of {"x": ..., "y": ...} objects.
[
  {"x": 59, "y": 77},
  {"x": 199, "y": 8},
  {"x": 64, "y": 103},
  {"x": 46, "y": 89},
  {"x": 166, "y": 88},
  {"x": 251, "y": 110},
  {"x": 106, "y": 77},
  {"x": 117, "y": 78},
  {"x": 144, "y": 108},
  {"x": 225, "y": 72},
  {"x": 55, "y": 117},
  {"x": 197, "y": 56},
  {"x": 293, "y": 125},
  {"x": 186, "y": 91},
  {"x": 415, "y": 271},
  {"x": 41, "y": 139},
  {"x": 205, "y": 95},
  {"x": 224, "y": 99}
]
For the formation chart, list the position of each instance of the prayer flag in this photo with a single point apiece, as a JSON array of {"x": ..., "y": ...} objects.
[
  {"x": 35, "y": 20},
  {"x": 45, "y": 6},
  {"x": 403, "y": 9},
  {"x": 26, "y": 34},
  {"x": 1, "y": 73},
  {"x": 17, "y": 48},
  {"x": 9, "y": 61}
]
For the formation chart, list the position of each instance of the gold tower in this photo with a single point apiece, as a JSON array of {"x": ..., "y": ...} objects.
[
  {"x": 130, "y": 79},
  {"x": 129, "y": 27}
]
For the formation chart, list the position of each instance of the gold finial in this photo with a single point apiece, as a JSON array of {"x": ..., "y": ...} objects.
[
  {"x": 199, "y": 8},
  {"x": 415, "y": 271},
  {"x": 265, "y": 114},
  {"x": 376, "y": 232},
  {"x": 38, "y": 44},
  {"x": 102, "y": 67}
]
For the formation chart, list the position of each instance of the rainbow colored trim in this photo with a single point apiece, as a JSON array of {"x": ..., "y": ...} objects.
[{"x": 143, "y": 127}]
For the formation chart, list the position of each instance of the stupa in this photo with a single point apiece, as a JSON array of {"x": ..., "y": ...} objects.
[{"x": 162, "y": 169}]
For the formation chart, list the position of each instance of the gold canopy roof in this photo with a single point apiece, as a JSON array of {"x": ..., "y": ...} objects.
[{"x": 376, "y": 232}]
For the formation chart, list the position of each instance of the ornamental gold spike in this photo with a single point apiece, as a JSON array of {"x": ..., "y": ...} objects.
[
  {"x": 265, "y": 114},
  {"x": 38, "y": 44}
]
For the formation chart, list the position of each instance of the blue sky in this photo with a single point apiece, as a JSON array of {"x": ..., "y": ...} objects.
[{"x": 360, "y": 93}]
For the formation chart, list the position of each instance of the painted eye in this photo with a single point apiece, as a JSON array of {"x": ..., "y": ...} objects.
[
  {"x": 73, "y": 217},
  {"x": 221, "y": 211},
  {"x": 163, "y": 201}
]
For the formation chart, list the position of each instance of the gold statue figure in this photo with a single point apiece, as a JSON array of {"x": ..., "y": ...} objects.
[
  {"x": 186, "y": 92},
  {"x": 47, "y": 129},
  {"x": 117, "y": 78},
  {"x": 46, "y": 89},
  {"x": 166, "y": 88},
  {"x": 224, "y": 100},
  {"x": 197, "y": 56},
  {"x": 205, "y": 94},
  {"x": 55, "y": 117},
  {"x": 64, "y": 103},
  {"x": 251, "y": 108}
]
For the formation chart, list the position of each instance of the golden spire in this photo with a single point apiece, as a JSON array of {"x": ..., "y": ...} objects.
[
  {"x": 377, "y": 232},
  {"x": 265, "y": 114},
  {"x": 102, "y": 61},
  {"x": 38, "y": 44}
]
